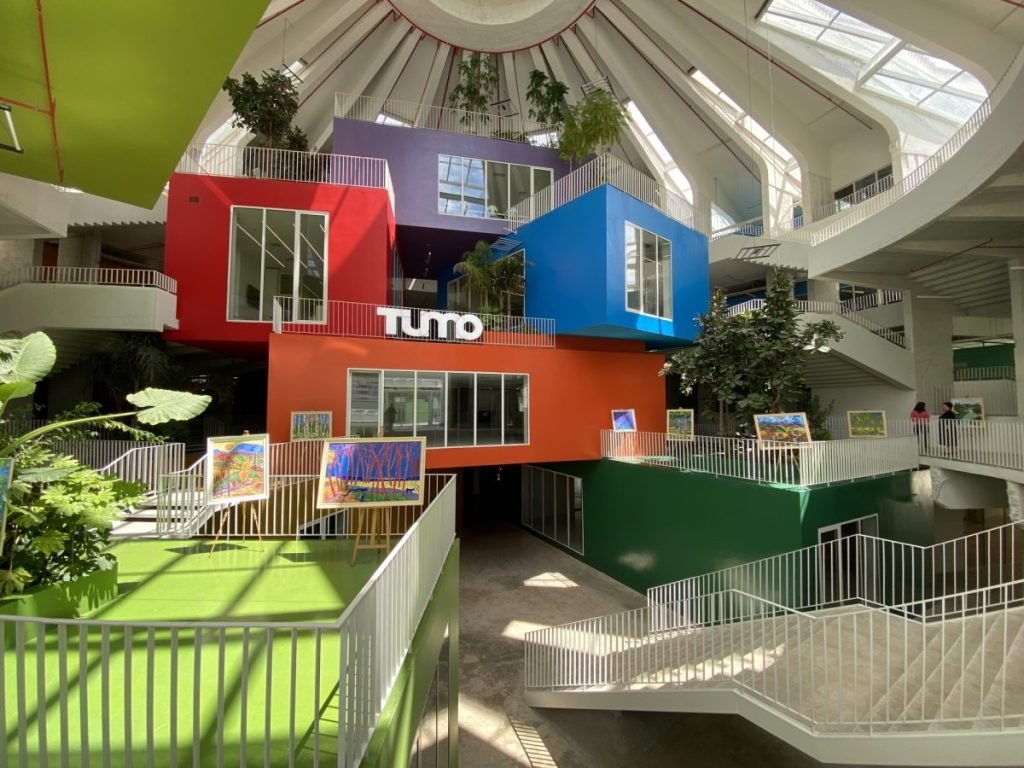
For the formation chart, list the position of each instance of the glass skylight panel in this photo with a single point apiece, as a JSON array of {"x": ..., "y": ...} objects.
[
  {"x": 901, "y": 89},
  {"x": 969, "y": 85},
  {"x": 857, "y": 46},
  {"x": 682, "y": 184},
  {"x": 955, "y": 107},
  {"x": 657, "y": 151}
]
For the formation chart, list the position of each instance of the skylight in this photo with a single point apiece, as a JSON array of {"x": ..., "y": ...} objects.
[
  {"x": 657, "y": 153},
  {"x": 888, "y": 65}
]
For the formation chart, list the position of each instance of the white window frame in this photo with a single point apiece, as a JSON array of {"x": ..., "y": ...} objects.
[
  {"x": 625, "y": 273},
  {"x": 263, "y": 259},
  {"x": 508, "y": 182},
  {"x": 416, "y": 374}
]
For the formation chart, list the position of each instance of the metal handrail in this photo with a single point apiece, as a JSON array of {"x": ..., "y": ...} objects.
[
  {"x": 831, "y": 308},
  {"x": 127, "y": 277}
]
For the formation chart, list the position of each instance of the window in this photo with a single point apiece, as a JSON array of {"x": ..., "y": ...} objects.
[
  {"x": 451, "y": 409},
  {"x": 552, "y": 505},
  {"x": 648, "y": 273},
  {"x": 485, "y": 188},
  {"x": 864, "y": 188},
  {"x": 277, "y": 253}
]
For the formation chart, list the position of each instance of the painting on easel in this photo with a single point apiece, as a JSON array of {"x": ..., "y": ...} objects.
[
  {"x": 236, "y": 468},
  {"x": 372, "y": 472}
]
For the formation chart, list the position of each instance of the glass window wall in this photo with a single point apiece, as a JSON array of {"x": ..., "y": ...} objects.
[
  {"x": 485, "y": 188},
  {"x": 552, "y": 505},
  {"x": 648, "y": 273}
]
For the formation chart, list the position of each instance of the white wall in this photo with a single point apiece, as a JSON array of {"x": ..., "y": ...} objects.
[
  {"x": 897, "y": 403},
  {"x": 30, "y": 306},
  {"x": 15, "y": 254},
  {"x": 858, "y": 155}
]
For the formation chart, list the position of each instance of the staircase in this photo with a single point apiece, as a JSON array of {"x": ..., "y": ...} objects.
[{"x": 857, "y": 674}]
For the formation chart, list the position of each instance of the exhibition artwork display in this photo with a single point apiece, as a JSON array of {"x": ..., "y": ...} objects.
[
  {"x": 782, "y": 427},
  {"x": 372, "y": 472},
  {"x": 679, "y": 424},
  {"x": 311, "y": 425},
  {"x": 969, "y": 408},
  {"x": 624, "y": 420},
  {"x": 866, "y": 423},
  {"x": 236, "y": 468}
]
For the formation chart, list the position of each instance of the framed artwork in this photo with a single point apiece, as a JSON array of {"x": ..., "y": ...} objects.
[
  {"x": 624, "y": 420},
  {"x": 866, "y": 423},
  {"x": 236, "y": 468},
  {"x": 6, "y": 475},
  {"x": 310, "y": 425},
  {"x": 782, "y": 428},
  {"x": 968, "y": 408},
  {"x": 679, "y": 424},
  {"x": 372, "y": 472}
]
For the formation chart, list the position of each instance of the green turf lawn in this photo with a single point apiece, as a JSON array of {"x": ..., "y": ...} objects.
[{"x": 178, "y": 581}]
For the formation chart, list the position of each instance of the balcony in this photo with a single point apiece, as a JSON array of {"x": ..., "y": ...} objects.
[
  {"x": 287, "y": 165},
  {"x": 374, "y": 321},
  {"x": 795, "y": 465},
  {"x": 88, "y": 298}
]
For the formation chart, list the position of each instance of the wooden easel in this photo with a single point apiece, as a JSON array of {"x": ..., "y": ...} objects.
[
  {"x": 253, "y": 517},
  {"x": 374, "y": 534}
]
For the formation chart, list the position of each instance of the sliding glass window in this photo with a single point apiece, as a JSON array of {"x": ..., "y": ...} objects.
[
  {"x": 451, "y": 409},
  {"x": 648, "y": 273},
  {"x": 485, "y": 188},
  {"x": 553, "y": 506},
  {"x": 274, "y": 253}
]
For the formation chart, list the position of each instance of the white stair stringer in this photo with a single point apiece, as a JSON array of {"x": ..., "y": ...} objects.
[
  {"x": 885, "y": 361},
  {"x": 852, "y": 685}
]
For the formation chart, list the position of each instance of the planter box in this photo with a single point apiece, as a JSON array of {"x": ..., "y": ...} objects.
[{"x": 64, "y": 601}]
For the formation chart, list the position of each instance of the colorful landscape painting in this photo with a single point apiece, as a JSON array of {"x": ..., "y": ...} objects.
[
  {"x": 866, "y": 423},
  {"x": 679, "y": 424},
  {"x": 624, "y": 420},
  {"x": 969, "y": 408},
  {"x": 372, "y": 472},
  {"x": 782, "y": 427},
  {"x": 236, "y": 468},
  {"x": 6, "y": 472},
  {"x": 311, "y": 425}
]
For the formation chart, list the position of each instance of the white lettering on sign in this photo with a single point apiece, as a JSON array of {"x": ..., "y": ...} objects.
[{"x": 398, "y": 321}]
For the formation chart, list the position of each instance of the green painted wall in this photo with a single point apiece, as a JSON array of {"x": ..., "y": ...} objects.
[
  {"x": 64, "y": 601},
  {"x": 978, "y": 357},
  {"x": 393, "y": 738},
  {"x": 645, "y": 526}
]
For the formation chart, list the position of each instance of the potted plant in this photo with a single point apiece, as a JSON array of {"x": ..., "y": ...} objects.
[{"x": 591, "y": 125}]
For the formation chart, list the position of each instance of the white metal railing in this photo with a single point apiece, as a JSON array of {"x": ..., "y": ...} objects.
[
  {"x": 831, "y": 308},
  {"x": 96, "y": 454},
  {"x": 797, "y": 464},
  {"x": 860, "y": 670},
  {"x": 606, "y": 169},
  {"x": 215, "y": 693},
  {"x": 352, "y": 318},
  {"x": 871, "y": 300},
  {"x": 411, "y": 114},
  {"x": 181, "y": 508},
  {"x": 127, "y": 277},
  {"x": 748, "y": 228},
  {"x": 147, "y": 463},
  {"x": 850, "y": 217},
  {"x": 854, "y": 198},
  {"x": 985, "y": 373},
  {"x": 286, "y": 165}
]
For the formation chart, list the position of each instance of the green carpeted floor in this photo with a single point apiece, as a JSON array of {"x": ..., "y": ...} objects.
[{"x": 269, "y": 691}]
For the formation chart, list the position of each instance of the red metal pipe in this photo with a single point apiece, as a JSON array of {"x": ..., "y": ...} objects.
[{"x": 49, "y": 91}]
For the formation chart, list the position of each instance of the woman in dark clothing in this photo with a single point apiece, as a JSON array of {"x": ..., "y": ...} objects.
[{"x": 920, "y": 417}]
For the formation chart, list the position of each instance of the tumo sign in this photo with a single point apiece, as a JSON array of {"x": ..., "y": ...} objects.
[{"x": 434, "y": 325}]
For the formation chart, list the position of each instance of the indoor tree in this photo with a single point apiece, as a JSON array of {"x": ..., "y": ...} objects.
[
  {"x": 266, "y": 107},
  {"x": 492, "y": 279},
  {"x": 753, "y": 362},
  {"x": 56, "y": 513},
  {"x": 547, "y": 97},
  {"x": 591, "y": 125},
  {"x": 478, "y": 83}
]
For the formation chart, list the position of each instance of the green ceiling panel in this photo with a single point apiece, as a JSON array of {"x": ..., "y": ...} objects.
[{"x": 131, "y": 80}]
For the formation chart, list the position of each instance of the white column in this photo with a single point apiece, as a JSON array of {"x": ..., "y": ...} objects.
[
  {"x": 79, "y": 251},
  {"x": 823, "y": 290},
  {"x": 1015, "y": 499},
  {"x": 1016, "y": 276},
  {"x": 929, "y": 329}
]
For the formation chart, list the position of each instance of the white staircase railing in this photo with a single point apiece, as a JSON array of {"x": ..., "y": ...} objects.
[
  {"x": 146, "y": 464},
  {"x": 96, "y": 454},
  {"x": 181, "y": 508},
  {"x": 132, "y": 278},
  {"x": 831, "y": 308}
]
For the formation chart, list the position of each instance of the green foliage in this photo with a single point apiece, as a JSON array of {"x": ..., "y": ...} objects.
[
  {"x": 591, "y": 126},
  {"x": 753, "y": 362},
  {"x": 547, "y": 95},
  {"x": 478, "y": 82},
  {"x": 266, "y": 108},
  {"x": 492, "y": 279},
  {"x": 56, "y": 525},
  {"x": 817, "y": 418}
]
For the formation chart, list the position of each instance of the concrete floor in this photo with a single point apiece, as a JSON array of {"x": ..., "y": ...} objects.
[{"x": 512, "y": 582}]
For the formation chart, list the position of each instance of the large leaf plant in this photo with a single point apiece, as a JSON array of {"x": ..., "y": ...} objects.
[{"x": 57, "y": 514}]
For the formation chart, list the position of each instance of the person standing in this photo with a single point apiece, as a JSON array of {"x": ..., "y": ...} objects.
[
  {"x": 947, "y": 429},
  {"x": 919, "y": 418}
]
